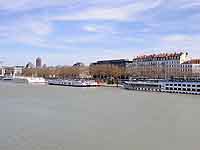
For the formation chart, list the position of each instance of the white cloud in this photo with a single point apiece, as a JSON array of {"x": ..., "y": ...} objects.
[
  {"x": 120, "y": 13},
  {"x": 104, "y": 29},
  {"x": 178, "y": 38},
  {"x": 185, "y": 4},
  {"x": 28, "y": 31},
  {"x": 182, "y": 42},
  {"x": 40, "y": 28},
  {"x": 90, "y": 28},
  {"x": 23, "y": 5}
]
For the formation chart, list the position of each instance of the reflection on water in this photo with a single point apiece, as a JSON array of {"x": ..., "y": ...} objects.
[{"x": 62, "y": 118}]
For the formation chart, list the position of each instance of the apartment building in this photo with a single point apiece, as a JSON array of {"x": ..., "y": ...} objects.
[{"x": 161, "y": 66}]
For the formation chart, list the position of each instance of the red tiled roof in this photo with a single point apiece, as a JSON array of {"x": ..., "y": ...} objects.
[{"x": 162, "y": 55}]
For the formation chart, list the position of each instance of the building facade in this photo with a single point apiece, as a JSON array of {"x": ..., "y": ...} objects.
[
  {"x": 161, "y": 66},
  {"x": 191, "y": 69},
  {"x": 2, "y": 71},
  {"x": 118, "y": 62},
  {"x": 109, "y": 68},
  {"x": 13, "y": 71}
]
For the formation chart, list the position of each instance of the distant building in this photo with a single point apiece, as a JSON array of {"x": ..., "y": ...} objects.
[
  {"x": 2, "y": 71},
  {"x": 164, "y": 66},
  {"x": 38, "y": 62},
  {"x": 18, "y": 70},
  {"x": 78, "y": 64},
  {"x": 109, "y": 68},
  {"x": 44, "y": 66},
  {"x": 119, "y": 63},
  {"x": 29, "y": 65},
  {"x": 13, "y": 71},
  {"x": 191, "y": 69}
]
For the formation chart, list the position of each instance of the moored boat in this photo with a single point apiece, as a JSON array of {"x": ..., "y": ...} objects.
[
  {"x": 167, "y": 86},
  {"x": 28, "y": 80},
  {"x": 73, "y": 83}
]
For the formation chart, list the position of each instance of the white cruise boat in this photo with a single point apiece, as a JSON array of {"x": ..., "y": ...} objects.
[
  {"x": 60, "y": 82},
  {"x": 9, "y": 78},
  {"x": 28, "y": 80},
  {"x": 167, "y": 86},
  {"x": 73, "y": 83},
  {"x": 181, "y": 87}
]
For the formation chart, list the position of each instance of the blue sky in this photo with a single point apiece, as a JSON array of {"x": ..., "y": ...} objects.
[{"x": 66, "y": 31}]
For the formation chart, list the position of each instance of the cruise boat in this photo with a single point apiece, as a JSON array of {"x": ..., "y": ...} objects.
[
  {"x": 28, "y": 80},
  {"x": 7, "y": 78},
  {"x": 73, "y": 83},
  {"x": 142, "y": 86},
  {"x": 181, "y": 87},
  {"x": 169, "y": 87},
  {"x": 60, "y": 82}
]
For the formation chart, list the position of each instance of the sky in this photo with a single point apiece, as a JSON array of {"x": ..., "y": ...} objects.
[{"x": 63, "y": 32}]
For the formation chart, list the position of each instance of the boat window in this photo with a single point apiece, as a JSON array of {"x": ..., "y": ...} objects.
[
  {"x": 198, "y": 90},
  {"x": 188, "y": 85},
  {"x": 193, "y": 90},
  {"x": 179, "y": 89},
  {"x": 198, "y": 85},
  {"x": 179, "y": 84},
  {"x": 184, "y": 85},
  {"x": 193, "y": 86}
]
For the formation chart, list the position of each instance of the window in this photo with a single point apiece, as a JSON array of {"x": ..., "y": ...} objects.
[
  {"x": 193, "y": 85},
  {"x": 184, "y": 85}
]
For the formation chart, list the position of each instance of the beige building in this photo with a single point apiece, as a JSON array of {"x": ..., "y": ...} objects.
[
  {"x": 191, "y": 69},
  {"x": 13, "y": 71},
  {"x": 164, "y": 66}
]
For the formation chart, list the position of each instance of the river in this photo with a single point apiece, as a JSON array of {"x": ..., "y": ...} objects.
[{"x": 36, "y": 117}]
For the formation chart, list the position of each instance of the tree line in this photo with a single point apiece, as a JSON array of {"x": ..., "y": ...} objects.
[{"x": 53, "y": 72}]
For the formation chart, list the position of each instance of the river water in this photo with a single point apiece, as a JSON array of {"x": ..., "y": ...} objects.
[{"x": 63, "y": 118}]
